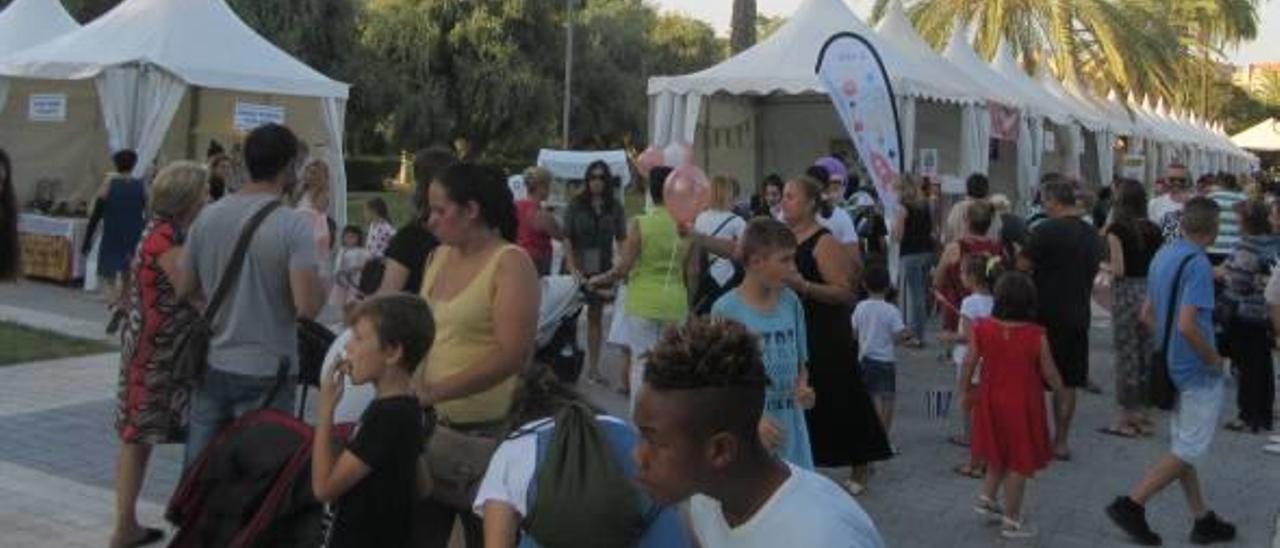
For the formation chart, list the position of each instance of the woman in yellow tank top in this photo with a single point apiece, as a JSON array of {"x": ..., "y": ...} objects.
[{"x": 484, "y": 294}]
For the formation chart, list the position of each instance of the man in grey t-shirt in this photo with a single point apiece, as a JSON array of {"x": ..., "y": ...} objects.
[{"x": 255, "y": 329}]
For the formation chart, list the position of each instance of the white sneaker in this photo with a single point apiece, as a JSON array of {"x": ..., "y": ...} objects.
[
  {"x": 1274, "y": 438},
  {"x": 1274, "y": 449},
  {"x": 854, "y": 488},
  {"x": 988, "y": 509}
]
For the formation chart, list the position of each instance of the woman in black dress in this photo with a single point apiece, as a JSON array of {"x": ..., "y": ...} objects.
[{"x": 843, "y": 427}]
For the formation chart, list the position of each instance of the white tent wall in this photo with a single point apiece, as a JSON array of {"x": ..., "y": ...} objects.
[
  {"x": 4, "y": 92},
  {"x": 749, "y": 138},
  {"x": 73, "y": 152},
  {"x": 138, "y": 105}
]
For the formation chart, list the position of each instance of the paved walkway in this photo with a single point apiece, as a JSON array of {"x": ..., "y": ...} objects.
[{"x": 57, "y": 457}]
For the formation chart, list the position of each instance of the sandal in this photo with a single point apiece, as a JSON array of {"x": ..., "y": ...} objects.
[
  {"x": 1124, "y": 431},
  {"x": 1236, "y": 426},
  {"x": 1014, "y": 529},
  {"x": 988, "y": 508},
  {"x": 854, "y": 488},
  {"x": 968, "y": 471},
  {"x": 958, "y": 440},
  {"x": 150, "y": 535}
]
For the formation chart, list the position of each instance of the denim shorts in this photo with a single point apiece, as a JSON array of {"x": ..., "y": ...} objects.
[{"x": 879, "y": 376}]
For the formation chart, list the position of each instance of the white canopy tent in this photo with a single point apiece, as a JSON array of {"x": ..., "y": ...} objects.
[
  {"x": 162, "y": 75},
  {"x": 764, "y": 110},
  {"x": 1264, "y": 136},
  {"x": 1026, "y": 162},
  {"x": 975, "y": 123},
  {"x": 26, "y": 23}
]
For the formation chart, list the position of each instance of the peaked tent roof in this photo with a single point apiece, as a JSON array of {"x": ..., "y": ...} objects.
[
  {"x": 998, "y": 88},
  {"x": 1082, "y": 112},
  {"x": 26, "y": 23},
  {"x": 1049, "y": 106},
  {"x": 898, "y": 31},
  {"x": 202, "y": 42},
  {"x": 784, "y": 63}
]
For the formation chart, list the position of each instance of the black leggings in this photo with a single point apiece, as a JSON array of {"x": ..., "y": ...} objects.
[{"x": 1256, "y": 383}]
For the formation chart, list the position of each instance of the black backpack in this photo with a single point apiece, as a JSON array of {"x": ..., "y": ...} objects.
[{"x": 709, "y": 290}]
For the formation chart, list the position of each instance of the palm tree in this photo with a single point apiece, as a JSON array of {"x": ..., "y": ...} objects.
[
  {"x": 1144, "y": 46},
  {"x": 1269, "y": 91},
  {"x": 743, "y": 27}
]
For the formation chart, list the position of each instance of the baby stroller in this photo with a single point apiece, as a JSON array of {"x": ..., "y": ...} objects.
[
  {"x": 251, "y": 486},
  {"x": 557, "y": 338}
]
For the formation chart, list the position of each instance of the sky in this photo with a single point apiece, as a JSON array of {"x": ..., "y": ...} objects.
[{"x": 717, "y": 12}]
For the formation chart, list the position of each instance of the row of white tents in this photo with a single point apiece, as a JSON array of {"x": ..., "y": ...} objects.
[
  {"x": 764, "y": 111},
  {"x": 162, "y": 77}
]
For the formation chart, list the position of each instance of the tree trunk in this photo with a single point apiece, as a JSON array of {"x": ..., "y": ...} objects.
[{"x": 743, "y": 32}]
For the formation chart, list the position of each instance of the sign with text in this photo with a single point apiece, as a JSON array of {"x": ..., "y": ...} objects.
[
  {"x": 853, "y": 74},
  {"x": 249, "y": 116},
  {"x": 47, "y": 107},
  {"x": 929, "y": 162}
]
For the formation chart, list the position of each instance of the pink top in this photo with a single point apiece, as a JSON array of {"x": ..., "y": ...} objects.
[{"x": 535, "y": 242}]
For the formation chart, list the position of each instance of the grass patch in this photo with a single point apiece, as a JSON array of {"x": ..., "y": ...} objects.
[
  {"x": 21, "y": 344},
  {"x": 399, "y": 204}
]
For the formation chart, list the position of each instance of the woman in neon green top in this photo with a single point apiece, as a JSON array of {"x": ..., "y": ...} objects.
[{"x": 656, "y": 263}]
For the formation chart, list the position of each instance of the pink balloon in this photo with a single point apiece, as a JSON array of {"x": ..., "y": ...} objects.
[
  {"x": 649, "y": 159},
  {"x": 678, "y": 154},
  {"x": 686, "y": 193}
]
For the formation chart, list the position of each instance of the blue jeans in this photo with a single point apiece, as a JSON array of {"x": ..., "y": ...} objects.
[
  {"x": 915, "y": 291},
  {"x": 224, "y": 397}
]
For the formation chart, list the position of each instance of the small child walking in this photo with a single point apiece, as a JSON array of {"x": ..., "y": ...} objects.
[
  {"x": 764, "y": 304},
  {"x": 372, "y": 482},
  {"x": 1010, "y": 427},
  {"x": 347, "y": 264},
  {"x": 977, "y": 274},
  {"x": 878, "y": 325}
]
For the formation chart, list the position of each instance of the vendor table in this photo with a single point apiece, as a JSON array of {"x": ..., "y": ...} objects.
[{"x": 51, "y": 246}]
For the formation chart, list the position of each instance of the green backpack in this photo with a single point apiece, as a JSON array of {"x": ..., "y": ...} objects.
[{"x": 582, "y": 494}]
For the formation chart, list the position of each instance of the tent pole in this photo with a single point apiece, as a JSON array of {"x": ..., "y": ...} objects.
[
  {"x": 193, "y": 119},
  {"x": 706, "y": 135},
  {"x": 757, "y": 113}
]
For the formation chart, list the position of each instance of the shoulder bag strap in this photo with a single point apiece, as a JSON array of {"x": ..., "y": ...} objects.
[
  {"x": 1173, "y": 302},
  {"x": 233, "y": 268}
]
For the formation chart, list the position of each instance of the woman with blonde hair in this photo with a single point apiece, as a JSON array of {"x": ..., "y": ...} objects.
[
  {"x": 718, "y": 274},
  {"x": 153, "y": 400},
  {"x": 313, "y": 200}
]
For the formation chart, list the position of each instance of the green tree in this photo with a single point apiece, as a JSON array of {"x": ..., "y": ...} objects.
[
  {"x": 1269, "y": 92},
  {"x": 680, "y": 45}
]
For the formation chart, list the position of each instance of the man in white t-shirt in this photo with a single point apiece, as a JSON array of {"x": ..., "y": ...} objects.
[
  {"x": 1178, "y": 186},
  {"x": 698, "y": 415}
]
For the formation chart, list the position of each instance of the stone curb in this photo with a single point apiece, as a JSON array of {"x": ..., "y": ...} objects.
[{"x": 63, "y": 325}]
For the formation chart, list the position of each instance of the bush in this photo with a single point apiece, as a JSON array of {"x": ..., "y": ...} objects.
[{"x": 367, "y": 173}]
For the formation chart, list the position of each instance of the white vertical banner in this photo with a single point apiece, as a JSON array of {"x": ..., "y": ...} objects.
[{"x": 854, "y": 76}]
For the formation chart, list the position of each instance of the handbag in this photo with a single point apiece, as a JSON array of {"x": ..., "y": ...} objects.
[
  {"x": 454, "y": 462},
  {"x": 1164, "y": 395},
  {"x": 191, "y": 352}
]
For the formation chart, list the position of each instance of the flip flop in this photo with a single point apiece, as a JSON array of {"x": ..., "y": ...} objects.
[
  {"x": 150, "y": 535},
  {"x": 957, "y": 441},
  {"x": 1122, "y": 432},
  {"x": 966, "y": 471}
]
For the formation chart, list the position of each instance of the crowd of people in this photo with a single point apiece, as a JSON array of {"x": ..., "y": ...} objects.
[{"x": 761, "y": 341}]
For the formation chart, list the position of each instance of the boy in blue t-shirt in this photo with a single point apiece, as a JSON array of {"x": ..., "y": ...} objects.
[
  {"x": 771, "y": 311},
  {"x": 1195, "y": 369}
]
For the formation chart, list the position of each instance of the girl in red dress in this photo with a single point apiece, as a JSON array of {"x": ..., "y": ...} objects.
[{"x": 1010, "y": 427}]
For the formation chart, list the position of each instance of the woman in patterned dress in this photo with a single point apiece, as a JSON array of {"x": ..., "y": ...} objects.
[{"x": 153, "y": 401}]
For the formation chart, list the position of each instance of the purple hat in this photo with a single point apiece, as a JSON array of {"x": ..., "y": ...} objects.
[{"x": 835, "y": 168}]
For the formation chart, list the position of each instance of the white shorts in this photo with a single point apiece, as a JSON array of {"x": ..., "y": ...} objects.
[
  {"x": 618, "y": 321},
  {"x": 642, "y": 335},
  {"x": 1194, "y": 423}
]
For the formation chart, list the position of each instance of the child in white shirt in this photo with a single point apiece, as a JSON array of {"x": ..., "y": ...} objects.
[
  {"x": 878, "y": 325},
  {"x": 347, "y": 264},
  {"x": 977, "y": 274}
]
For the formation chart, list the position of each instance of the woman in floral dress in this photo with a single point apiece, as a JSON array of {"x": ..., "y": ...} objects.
[{"x": 153, "y": 400}]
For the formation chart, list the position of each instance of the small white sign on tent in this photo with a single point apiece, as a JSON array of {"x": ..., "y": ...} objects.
[
  {"x": 47, "y": 107},
  {"x": 249, "y": 116}
]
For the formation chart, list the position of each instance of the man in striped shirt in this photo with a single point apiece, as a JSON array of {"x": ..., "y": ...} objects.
[{"x": 1227, "y": 195}]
